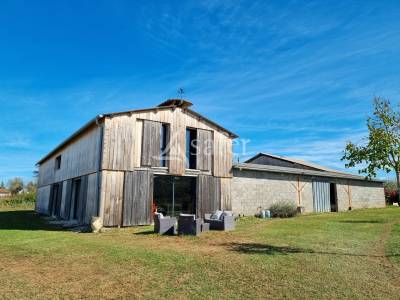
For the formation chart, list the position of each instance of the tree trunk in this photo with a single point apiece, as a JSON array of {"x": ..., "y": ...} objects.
[{"x": 398, "y": 185}]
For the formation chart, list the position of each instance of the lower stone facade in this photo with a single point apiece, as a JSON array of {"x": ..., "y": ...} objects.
[{"x": 255, "y": 190}]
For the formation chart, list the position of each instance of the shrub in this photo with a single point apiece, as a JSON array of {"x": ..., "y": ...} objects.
[
  {"x": 283, "y": 210},
  {"x": 19, "y": 200}
]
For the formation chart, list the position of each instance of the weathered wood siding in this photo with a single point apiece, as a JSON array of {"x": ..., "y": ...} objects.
[
  {"x": 92, "y": 199},
  {"x": 42, "y": 199},
  {"x": 204, "y": 149},
  {"x": 82, "y": 199},
  {"x": 130, "y": 142},
  {"x": 226, "y": 195},
  {"x": 123, "y": 134},
  {"x": 54, "y": 207},
  {"x": 151, "y": 150},
  {"x": 208, "y": 194},
  {"x": 222, "y": 155},
  {"x": 119, "y": 143},
  {"x": 111, "y": 196},
  {"x": 138, "y": 191},
  {"x": 67, "y": 195},
  {"x": 64, "y": 201},
  {"x": 80, "y": 157}
]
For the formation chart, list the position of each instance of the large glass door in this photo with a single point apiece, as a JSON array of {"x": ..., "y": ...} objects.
[{"x": 174, "y": 195}]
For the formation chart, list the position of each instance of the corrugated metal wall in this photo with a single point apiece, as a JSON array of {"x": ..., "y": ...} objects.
[{"x": 321, "y": 195}]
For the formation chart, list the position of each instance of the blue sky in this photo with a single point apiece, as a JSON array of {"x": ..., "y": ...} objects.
[{"x": 294, "y": 78}]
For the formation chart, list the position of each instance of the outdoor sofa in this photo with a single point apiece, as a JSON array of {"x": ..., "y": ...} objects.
[
  {"x": 220, "y": 220},
  {"x": 164, "y": 225}
]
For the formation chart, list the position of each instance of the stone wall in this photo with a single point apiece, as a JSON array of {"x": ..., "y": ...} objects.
[
  {"x": 255, "y": 190},
  {"x": 252, "y": 191},
  {"x": 364, "y": 194}
]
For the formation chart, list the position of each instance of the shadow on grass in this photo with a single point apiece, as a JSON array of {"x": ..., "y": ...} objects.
[
  {"x": 255, "y": 248},
  {"x": 362, "y": 221},
  {"x": 147, "y": 232},
  {"x": 24, "y": 220}
]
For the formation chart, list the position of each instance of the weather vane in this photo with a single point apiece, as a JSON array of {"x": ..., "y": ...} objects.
[{"x": 180, "y": 93}]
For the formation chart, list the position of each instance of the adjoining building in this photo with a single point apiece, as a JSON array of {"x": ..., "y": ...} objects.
[
  {"x": 121, "y": 166},
  {"x": 4, "y": 193},
  {"x": 266, "y": 179}
]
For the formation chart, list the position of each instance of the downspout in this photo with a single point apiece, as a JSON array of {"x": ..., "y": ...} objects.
[{"x": 100, "y": 200}]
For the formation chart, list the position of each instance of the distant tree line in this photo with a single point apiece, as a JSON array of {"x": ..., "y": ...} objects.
[{"x": 17, "y": 185}]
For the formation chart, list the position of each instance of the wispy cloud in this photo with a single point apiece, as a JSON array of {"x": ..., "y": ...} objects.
[
  {"x": 16, "y": 142},
  {"x": 295, "y": 78}
]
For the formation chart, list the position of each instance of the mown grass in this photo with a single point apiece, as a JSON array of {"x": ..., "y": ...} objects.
[{"x": 337, "y": 255}]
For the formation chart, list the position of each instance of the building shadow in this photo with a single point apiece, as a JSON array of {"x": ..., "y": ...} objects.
[{"x": 25, "y": 220}]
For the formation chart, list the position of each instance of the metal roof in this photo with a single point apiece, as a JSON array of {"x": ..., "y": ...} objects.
[
  {"x": 295, "y": 161},
  {"x": 286, "y": 170}
]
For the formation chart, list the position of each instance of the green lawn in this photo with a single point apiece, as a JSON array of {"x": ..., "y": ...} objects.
[{"x": 336, "y": 255}]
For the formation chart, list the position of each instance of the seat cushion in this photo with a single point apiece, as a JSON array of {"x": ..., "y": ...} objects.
[
  {"x": 188, "y": 216},
  {"x": 216, "y": 215},
  {"x": 226, "y": 213},
  {"x": 159, "y": 215}
]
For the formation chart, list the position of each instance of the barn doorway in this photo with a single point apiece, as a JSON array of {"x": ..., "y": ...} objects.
[
  {"x": 76, "y": 192},
  {"x": 174, "y": 195},
  {"x": 333, "y": 197},
  {"x": 324, "y": 196},
  {"x": 55, "y": 200}
]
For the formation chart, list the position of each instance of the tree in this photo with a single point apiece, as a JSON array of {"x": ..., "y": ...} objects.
[
  {"x": 31, "y": 187},
  {"x": 15, "y": 185},
  {"x": 2, "y": 186},
  {"x": 381, "y": 149}
]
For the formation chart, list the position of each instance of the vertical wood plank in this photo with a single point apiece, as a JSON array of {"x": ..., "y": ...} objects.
[
  {"x": 204, "y": 149},
  {"x": 68, "y": 196},
  {"x": 208, "y": 194},
  {"x": 137, "y": 198}
]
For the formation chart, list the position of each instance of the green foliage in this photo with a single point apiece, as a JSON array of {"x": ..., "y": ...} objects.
[
  {"x": 31, "y": 187},
  {"x": 381, "y": 150},
  {"x": 283, "y": 210},
  {"x": 390, "y": 186},
  {"x": 2, "y": 186},
  {"x": 25, "y": 200},
  {"x": 15, "y": 185}
]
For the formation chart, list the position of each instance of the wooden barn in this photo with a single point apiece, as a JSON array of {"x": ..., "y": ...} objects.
[{"x": 119, "y": 166}]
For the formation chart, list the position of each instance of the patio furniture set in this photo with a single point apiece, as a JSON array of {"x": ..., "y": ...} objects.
[{"x": 187, "y": 224}]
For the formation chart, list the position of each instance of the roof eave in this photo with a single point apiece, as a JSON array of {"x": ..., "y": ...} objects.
[
  {"x": 286, "y": 170},
  {"x": 68, "y": 139}
]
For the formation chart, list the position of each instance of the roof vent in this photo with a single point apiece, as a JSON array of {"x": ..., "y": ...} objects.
[{"x": 175, "y": 102}]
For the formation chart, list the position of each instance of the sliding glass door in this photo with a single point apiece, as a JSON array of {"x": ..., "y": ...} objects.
[{"x": 174, "y": 195}]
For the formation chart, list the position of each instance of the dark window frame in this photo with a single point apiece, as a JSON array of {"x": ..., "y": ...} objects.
[
  {"x": 191, "y": 148},
  {"x": 58, "y": 162},
  {"x": 164, "y": 140}
]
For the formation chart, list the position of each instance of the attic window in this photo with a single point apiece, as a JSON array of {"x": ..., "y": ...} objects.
[{"x": 58, "y": 162}]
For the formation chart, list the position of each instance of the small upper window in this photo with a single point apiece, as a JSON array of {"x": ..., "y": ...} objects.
[{"x": 58, "y": 162}]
